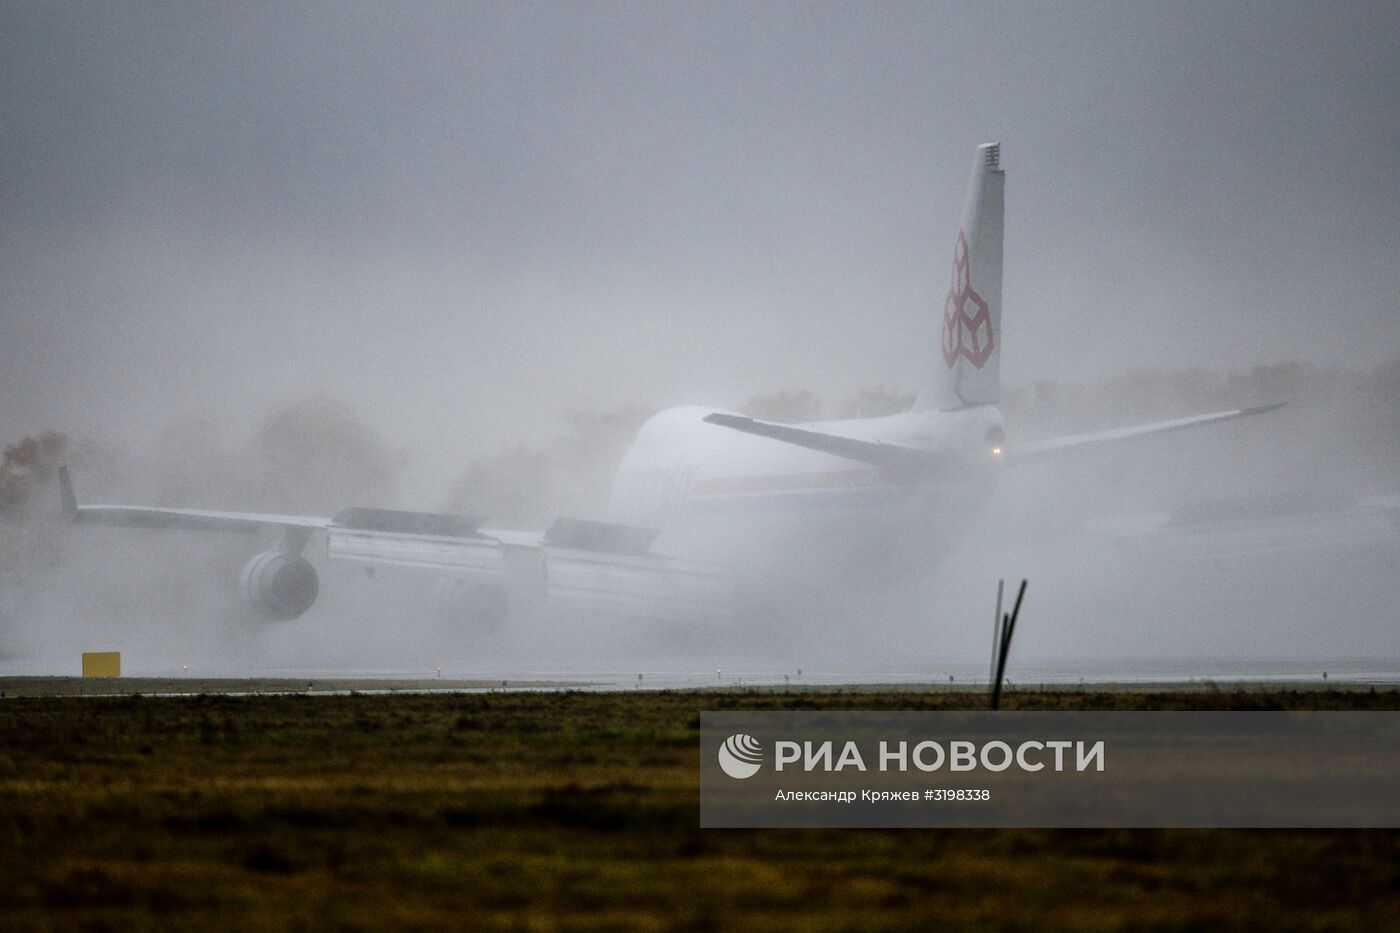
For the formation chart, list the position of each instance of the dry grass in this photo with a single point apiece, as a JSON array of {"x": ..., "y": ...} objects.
[{"x": 579, "y": 811}]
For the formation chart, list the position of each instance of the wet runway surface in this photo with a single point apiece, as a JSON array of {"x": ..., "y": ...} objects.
[{"x": 31, "y": 679}]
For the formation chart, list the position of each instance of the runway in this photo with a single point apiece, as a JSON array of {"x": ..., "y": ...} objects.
[{"x": 1140, "y": 674}]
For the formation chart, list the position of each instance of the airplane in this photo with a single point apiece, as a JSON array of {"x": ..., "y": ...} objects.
[{"x": 703, "y": 495}]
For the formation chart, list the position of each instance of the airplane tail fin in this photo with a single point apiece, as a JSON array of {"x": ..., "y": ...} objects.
[{"x": 967, "y": 365}]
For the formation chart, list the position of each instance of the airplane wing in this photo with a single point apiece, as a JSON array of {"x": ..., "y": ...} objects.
[
  {"x": 873, "y": 452},
  {"x": 132, "y": 516},
  {"x": 900, "y": 457},
  {"x": 574, "y": 560},
  {"x": 1055, "y": 446}
]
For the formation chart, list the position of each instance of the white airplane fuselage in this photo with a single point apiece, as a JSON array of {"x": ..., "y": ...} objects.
[{"x": 744, "y": 500}]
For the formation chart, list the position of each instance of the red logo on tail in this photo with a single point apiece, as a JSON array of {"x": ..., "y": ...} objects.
[{"x": 967, "y": 322}]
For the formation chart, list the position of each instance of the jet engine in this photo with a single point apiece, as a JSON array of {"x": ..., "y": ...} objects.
[{"x": 279, "y": 586}]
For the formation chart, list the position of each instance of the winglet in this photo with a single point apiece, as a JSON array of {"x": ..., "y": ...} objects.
[
  {"x": 1261, "y": 409},
  {"x": 65, "y": 486}
]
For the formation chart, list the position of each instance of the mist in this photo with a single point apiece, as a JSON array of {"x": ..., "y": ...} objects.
[
  {"x": 450, "y": 258},
  {"x": 1097, "y": 599}
]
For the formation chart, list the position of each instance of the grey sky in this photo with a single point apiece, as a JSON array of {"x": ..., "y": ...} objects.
[{"x": 465, "y": 219}]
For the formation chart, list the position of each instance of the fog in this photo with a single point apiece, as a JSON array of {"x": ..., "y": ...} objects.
[{"x": 449, "y": 258}]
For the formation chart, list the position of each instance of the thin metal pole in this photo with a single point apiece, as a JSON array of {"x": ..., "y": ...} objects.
[
  {"x": 996, "y": 635},
  {"x": 1008, "y": 628}
]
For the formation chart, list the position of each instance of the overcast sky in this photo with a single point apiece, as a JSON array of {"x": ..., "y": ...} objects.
[{"x": 466, "y": 219}]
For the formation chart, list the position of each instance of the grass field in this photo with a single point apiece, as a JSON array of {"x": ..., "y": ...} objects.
[{"x": 579, "y": 811}]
